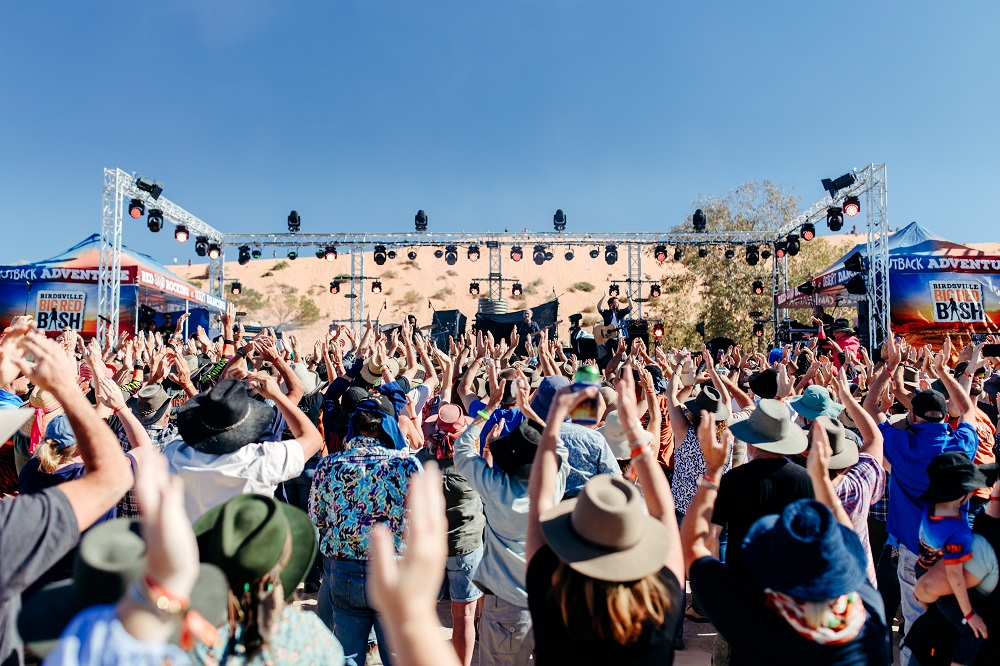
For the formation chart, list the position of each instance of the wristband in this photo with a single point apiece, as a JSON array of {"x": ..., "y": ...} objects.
[
  {"x": 229, "y": 342},
  {"x": 966, "y": 373},
  {"x": 965, "y": 619},
  {"x": 995, "y": 499},
  {"x": 114, "y": 412},
  {"x": 708, "y": 482},
  {"x": 483, "y": 413},
  {"x": 241, "y": 352},
  {"x": 639, "y": 451}
]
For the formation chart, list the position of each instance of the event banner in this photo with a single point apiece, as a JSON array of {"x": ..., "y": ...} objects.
[
  {"x": 927, "y": 305},
  {"x": 57, "y": 306}
]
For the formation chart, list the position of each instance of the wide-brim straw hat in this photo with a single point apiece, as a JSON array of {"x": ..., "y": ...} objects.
[
  {"x": 614, "y": 434},
  {"x": 372, "y": 373}
]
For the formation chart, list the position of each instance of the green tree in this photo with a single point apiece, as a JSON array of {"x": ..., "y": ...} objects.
[{"x": 250, "y": 301}]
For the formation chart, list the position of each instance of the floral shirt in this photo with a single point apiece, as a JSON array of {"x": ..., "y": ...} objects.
[
  {"x": 689, "y": 466},
  {"x": 356, "y": 489},
  {"x": 300, "y": 638}
]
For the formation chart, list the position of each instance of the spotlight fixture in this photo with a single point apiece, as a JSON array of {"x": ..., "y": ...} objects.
[
  {"x": 854, "y": 263},
  {"x": 654, "y": 291},
  {"x": 438, "y": 253},
  {"x": 154, "y": 220},
  {"x": 660, "y": 253},
  {"x": 595, "y": 253},
  {"x": 380, "y": 254},
  {"x": 516, "y": 253},
  {"x": 320, "y": 253},
  {"x": 758, "y": 330},
  {"x": 837, "y": 184},
  {"x": 515, "y": 289},
  {"x": 730, "y": 253},
  {"x": 538, "y": 255},
  {"x": 678, "y": 253},
  {"x": 614, "y": 290},
  {"x": 330, "y": 253},
  {"x": 698, "y": 220},
  {"x": 474, "y": 288},
  {"x": 411, "y": 255},
  {"x": 806, "y": 288},
  {"x": 610, "y": 254},
  {"x": 451, "y": 255},
  {"x": 181, "y": 234},
  {"x": 856, "y": 285},
  {"x": 473, "y": 253},
  {"x": 256, "y": 253},
  {"x": 201, "y": 246},
  {"x": 835, "y": 218},
  {"x": 569, "y": 255},
  {"x": 765, "y": 254},
  {"x": 244, "y": 251},
  {"x": 136, "y": 208},
  {"x": 559, "y": 220},
  {"x": 146, "y": 185},
  {"x": 753, "y": 256},
  {"x": 702, "y": 252},
  {"x": 808, "y": 231},
  {"x": 757, "y": 288},
  {"x": 294, "y": 222},
  {"x": 420, "y": 221},
  {"x": 852, "y": 206},
  {"x": 549, "y": 256},
  {"x": 780, "y": 250},
  {"x": 236, "y": 289},
  {"x": 391, "y": 255},
  {"x": 293, "y": 255},
  {"x": 658, "y": 331},
  {"x": 335, "y": 287},
  {"x": 792, "y": 242},
  {"x": 214, "y": 251},
  {"x": 377, "y": 287}
]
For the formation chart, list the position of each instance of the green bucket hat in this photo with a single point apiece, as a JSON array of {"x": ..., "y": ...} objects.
[
  {"x": 246, "y": 536},
  {"x": 814, "y": 402}
]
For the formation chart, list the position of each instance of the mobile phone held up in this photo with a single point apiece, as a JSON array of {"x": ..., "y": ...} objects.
[{"x": 991, "y": 350}]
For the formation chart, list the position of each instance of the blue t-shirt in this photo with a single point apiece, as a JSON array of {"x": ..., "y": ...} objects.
[
  {"x": 948, "y": 537},
  {"x": 511, "y": 416},
  {"x": 910, "y": 452}
]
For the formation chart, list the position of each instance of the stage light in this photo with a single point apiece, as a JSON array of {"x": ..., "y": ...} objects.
[
  {"x": 678, "y": 253},
  {"x": 758, "y": 330},
  {"x": 146, "y": 185},
  {"x": 549, "y": 256},
  {"x": 256, "y": 253},
  {"x": 654, "y": 291},
  {"x": 808, "y": 231},
  {"x": 451, "y": 255},
  {"x": 136, "y": 208},
  {"x": 320, "y": 253},
  {"x": 595, "y": 253},
  {"x": 569, "y": 255},
  {"x": 538, "y": 255},
  {"x": 515, "y": 289},
  {"x": 730, "y": 253},
  {"x": 793, "y": 245},
  {"x": 380, "y": 255},
  {"x": 420, "y": 221},
  {"x": 757, "y": 288},
  {"x": 154, "y": 221},
  {"x": 852, "y": 206},
  {"x": 702, "y": 252},
  {"x": 699, "y": 221},
  {"x": 473, "y": 253},
  {"x": 856, "y": 285},
  {"x": 559, "y": 220},
  {"x": 236, "y": 289},
  {"x": 765, "y": 254},
  {"x": 837, "y": 184},
  {"x": 660, "y": 253},
  {"x": 214, "y": 251},
  {"x": 753, "y": 256},
  {"x": 474, "y": 288},
  {"x": 614, "y": 290},
  {"x": 438, "y": 253},
  {"x": 181, "y": 234},
  {"x": 610, "y": 254},
  {"x": 806, "y": 288},
  {"x": 411, "y": 255},
  {"x": 658, "y": 331},
  {"x": 780, "y": 249},
  {"x": 201, "y": 246},
  {"x": 294, "y": 222},
  {"x": 516, "y": 253},
  {"x": 330, "y": 253},
  {"x": 293, "y": 255},
  {"x": 335, "y": 287},
  {"x": 834, "y": 218},
  {"x": 391, "y": 255},
  {"x": 854, "y": 263},
  {"x": 377, "y": 287},
  {"x": 244, "y": 251}
]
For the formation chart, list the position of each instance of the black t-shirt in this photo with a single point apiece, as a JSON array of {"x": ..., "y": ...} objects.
[
  {"x": 758, "y": 635},
  {"x": 554, "y": 645},
  {"x": 990, "y": 411},
  {"x": 36, "y": 531},
  {"x": 748, "y": 492}
]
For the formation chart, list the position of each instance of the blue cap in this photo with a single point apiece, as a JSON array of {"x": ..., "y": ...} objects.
[{"x": 60, "y": 432}]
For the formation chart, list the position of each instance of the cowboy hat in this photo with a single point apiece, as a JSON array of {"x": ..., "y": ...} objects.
[
  {"x": 309, "y": 379},
  {"x": 952, "y": 475},
  {"x": 815, "y": 401},
  {"x": 710, "y": 400},
  {"x": 247, "y": 536},
  {"x": 372, "y": 372},
  {"x": 805, "y": 553},
  {"x": 516, "y": 449},
  {"x": 151, "y": 403},
  {"x": 110, "y": 557},
  {"x": 845, "y": 451},
  {"x": 614, "y": 433},
  {"x": 605, "y": 532},
  {"x": 770, "y": 428},
  {"x": 841, "y": 325},
  {"x": 222, "y": 420},
  {"x": 449, "y": 419}
]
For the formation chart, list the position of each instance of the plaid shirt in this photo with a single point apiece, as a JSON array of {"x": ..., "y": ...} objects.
[
  {"x": 128, "y": 507},
  {"x": 860, "y": 487}
]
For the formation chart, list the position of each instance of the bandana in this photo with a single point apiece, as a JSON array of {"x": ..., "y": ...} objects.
[
  {"x": 389, "y": 425},
  {"x": 848, "y": 612},
  {"x": 442, "y": 444},
  {"x": 36, "y": 427}
]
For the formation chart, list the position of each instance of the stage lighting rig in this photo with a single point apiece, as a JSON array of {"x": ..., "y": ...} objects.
[
  {"x": 181, "y": 234},
  {"x": 660, "y": 253},
  {"x": 236, "y": 289},
  {"x": 852, "y": 206},
  {"x": 146, "y": 185},
  {"x": 256, "y": 253},
  {"x": 559, "y": 220},
  {"x": 753, "y": 255},
  {"x": 214, "y": 251},
  {"x": 757, "y": 288},
  {"x": 335, "y": 287},
  {"x": 391, "y": 254},
  {"x": 154, "y": 220},
  {"x": 730, "y": 253},
  {"x": 658, "y": 331},
  {"x": 201, "y": 246},
  {"x": 451, "y": 255},
  {"x": 808, "y": 231},
  {"x": 438, "y": 253},
  {"x": 614, "y": 290},
  {"x": 411, "y": 255},
  {"x": 792, "y": 242},
  {"x": 136, "y": 208},
  {"x": 654, "y": 291},
  {"x": 610, "y": 254},
  {"x": 702, "y": 252},
  {"x": 569, "y": 255},
  {"x": 244, "y": 255},
  {"x": 835, "y": 218},
  {"x": 420, "y": 221},
  {"x": 330, "y": 253},
  {"x": 699, "y": 221},
  {"x": 516, "y": 253},
  {"x": 474, "y": 288},
  {"x": 758, "y": 330},
  {"x": 293, "y": 255},
  {"x": 473, "y": 253},
  {"x": 538, "y": 255},
  {"x": 380, "y": 255},
  {"x": 595, "y": 253},
  {"x": 515, "y": 290},
  {"x": 837, "y": 184},
  {"x": 780, "y": 249},
  {"x": 377, "y": 287},
  {"x": 294, "y": 222},
  {"x": 678, "y": 253}
]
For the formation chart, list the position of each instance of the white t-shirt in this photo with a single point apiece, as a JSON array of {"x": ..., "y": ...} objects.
[
  {"x": 419, "y": 395},
  {"x": 210, "y": 480}
]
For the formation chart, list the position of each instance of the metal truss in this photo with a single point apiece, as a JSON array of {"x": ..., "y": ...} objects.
[
  {"x": 109, "y": 268},
  {"x": 878, "y": 255},
  {"x": 634, "y": 281},
  {"x": 495, "y": 279}
]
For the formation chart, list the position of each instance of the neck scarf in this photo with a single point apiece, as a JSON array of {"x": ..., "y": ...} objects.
[
  {"x": 36, "y": 426},
  {"x": 847, "y": 612}
]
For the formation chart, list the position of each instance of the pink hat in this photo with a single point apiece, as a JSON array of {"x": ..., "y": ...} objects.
[{"x": 449, "y": 419}]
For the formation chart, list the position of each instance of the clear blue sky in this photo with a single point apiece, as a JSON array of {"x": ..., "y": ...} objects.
[{"x": 487, "y": 114}]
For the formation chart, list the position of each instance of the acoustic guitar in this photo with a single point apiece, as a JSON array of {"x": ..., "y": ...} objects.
[{"x": 604, "y": 333}]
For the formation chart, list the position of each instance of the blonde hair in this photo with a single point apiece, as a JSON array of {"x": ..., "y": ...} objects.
[
  {"x": 50, "y": 458},
  {"x": 610, "y": 611}
]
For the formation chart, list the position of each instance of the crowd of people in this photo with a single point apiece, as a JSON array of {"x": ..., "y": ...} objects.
[{"x": 166, "y": 499}]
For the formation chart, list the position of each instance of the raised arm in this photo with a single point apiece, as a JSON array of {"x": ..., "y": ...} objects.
[
  {"x": 959, "y": 399},
  {"x": 302, "y": 428},
  {"x": 871, "y": 436},
  {"x": 697, "y": 526},
  {"x": 818, "y": 466}
]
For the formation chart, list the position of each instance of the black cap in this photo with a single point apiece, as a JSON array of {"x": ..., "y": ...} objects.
[{"x": 930, "y": 406}]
